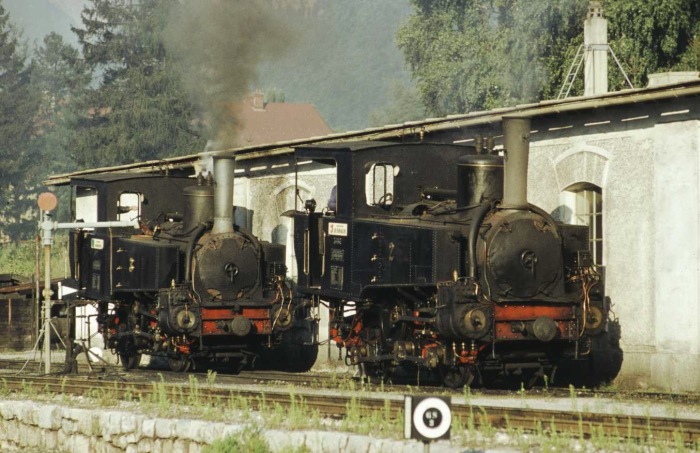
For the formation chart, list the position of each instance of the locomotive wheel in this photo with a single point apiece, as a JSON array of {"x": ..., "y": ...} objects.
[
  {"x": 128, "y": 354},
  {"x": 180, "y": 363},
  {"x": 376, "y": 372},
  {"x": 299, "y": 357},
  {"x": 602, "y": 365},
  {"x": 455, "y": 377},
  {"x": 129, "y": 360},
  {"x": 235, "y": 366},
  {"x": 606, "y": 355}
]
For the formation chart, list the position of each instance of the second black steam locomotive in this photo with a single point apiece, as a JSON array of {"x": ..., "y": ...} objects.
[{"x": 428, "y": 259}]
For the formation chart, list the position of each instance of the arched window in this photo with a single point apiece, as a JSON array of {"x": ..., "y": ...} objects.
[
  {"x": 283, "y": 233},
  {"x": 586, "y": 203}
]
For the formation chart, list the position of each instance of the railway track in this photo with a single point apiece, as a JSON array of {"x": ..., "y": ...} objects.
[
  {"x": 512, "y": 413},
  {"x": 339, "y": 378},
  {"x": 32, "y": 367}
]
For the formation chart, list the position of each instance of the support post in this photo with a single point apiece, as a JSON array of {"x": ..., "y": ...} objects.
[{"x": 47, "y": 240}]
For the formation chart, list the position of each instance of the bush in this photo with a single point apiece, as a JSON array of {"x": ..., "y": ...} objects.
[{"x": 20, "y": 259}]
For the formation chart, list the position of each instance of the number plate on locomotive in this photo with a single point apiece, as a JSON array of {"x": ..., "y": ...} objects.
[{"x": 337, "y": 229}]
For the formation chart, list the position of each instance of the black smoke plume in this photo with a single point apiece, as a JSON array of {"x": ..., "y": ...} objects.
[{"x": 217, "y": 45}]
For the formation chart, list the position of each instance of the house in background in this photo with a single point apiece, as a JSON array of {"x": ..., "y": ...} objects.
[{"x": 271, "y": 122}]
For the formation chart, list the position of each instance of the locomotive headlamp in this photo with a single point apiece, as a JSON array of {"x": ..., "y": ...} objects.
[
  {"x": 594, "y": 318},
  {"x": 475, "y": 321}
]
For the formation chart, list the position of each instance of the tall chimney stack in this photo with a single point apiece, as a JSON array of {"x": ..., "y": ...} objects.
[
  {"x": 595, "y": 41},
  {"x": 224, "y": 169}
]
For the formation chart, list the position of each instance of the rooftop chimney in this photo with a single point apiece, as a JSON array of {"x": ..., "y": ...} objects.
[
  {"x": 258, "y": 101},
  {"x": 595, "y": 41}
]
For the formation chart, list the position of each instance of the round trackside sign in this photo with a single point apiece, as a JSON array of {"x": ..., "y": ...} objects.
[
  {"x": 47, "y": 201},
  {"x": 427, "y": 418}
]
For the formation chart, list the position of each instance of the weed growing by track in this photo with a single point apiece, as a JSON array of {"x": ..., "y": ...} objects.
[{"x": 249, "y": 440}]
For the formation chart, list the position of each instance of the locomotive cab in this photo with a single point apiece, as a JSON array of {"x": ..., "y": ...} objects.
[
  {"x": 110, "y": 197},
  {"x": 344, "y": 252}
]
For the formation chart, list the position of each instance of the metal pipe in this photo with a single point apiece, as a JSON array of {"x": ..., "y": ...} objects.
[
  {"x": 516, "y": 141},
  {"x": 47, "y": 228},
  {"x": 479, "y": 217},
  {"x": 47, "y": 308},
  {"x": 110, "y": 224},
  {"x": 199, "y": 230},
  {"x": 224, "y": 168}
]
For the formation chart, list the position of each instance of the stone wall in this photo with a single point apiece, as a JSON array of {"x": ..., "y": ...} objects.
[{"x": 35, "y": 426}]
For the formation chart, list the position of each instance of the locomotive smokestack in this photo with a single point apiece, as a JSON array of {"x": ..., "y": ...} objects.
[
  {"x": 224, "y": 168},
  {"x": 516, "y": 141}
]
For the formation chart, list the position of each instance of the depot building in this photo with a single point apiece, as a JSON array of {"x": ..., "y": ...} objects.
[{"x": 625, "y": 163}]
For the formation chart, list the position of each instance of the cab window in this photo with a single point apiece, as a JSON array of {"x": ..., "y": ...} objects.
[
  {"x": 129, "y": 206},
  {"x": 86, "y": 204},
  {"x": 379, "y": 184}
]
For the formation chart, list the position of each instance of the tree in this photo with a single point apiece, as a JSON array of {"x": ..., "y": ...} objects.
[
  {"x": 480, "y": 54},
  {"x": 652, "y": 36},
  {"x": 137, "y": 111},
  {"x": 342, "y": 57},
  {"x": 18, "y": 106},
  {"x": 59, "y": 72},
  {"x": 470, "y": 55},
  {"x": 405, "y": 106}
]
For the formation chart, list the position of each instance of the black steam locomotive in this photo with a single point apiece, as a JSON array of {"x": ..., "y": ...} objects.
[
  {"x": 427, "y": 259},
  {"x": 190, "y": 284}
]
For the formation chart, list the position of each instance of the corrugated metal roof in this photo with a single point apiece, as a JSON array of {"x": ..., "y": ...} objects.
[{"x": 413, "y": 128}]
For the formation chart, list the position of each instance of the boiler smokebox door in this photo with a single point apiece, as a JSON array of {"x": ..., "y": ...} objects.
[
  {"x": 227, "y": 267},
  {"x": 524, "y": 258}
]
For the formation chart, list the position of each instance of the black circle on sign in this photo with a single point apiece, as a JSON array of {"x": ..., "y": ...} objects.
[{"x": 432, "y": 417}]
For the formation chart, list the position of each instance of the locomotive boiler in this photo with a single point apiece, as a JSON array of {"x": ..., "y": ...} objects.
[
  {"x": 190, "y": 284},
  {"x": 432, "y": 258}
]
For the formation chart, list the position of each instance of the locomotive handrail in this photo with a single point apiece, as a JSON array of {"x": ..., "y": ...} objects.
[
  {"x": 307, "y": 251},
  {"x": 323, "y": 255}
]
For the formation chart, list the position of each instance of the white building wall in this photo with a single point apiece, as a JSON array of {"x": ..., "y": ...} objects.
[
  {"x": 649, "y": 181},
  {"x": 266, "y": 198},
  {"x": 676, "y": 264}
]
